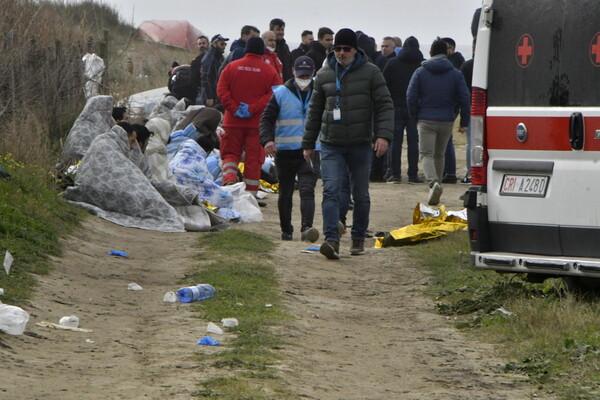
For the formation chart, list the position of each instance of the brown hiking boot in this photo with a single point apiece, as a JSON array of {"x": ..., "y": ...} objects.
[
  {"x": 330, "y": 249},
  {"x": 358, "y": 247}
]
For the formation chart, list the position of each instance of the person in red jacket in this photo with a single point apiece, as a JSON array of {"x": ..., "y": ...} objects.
[
  {"x": 244, "y": 88},
  {"x": 271, "y": 57}
]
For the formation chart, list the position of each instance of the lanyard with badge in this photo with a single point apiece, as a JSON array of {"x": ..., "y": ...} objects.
[{"x": 337, "y": 113}]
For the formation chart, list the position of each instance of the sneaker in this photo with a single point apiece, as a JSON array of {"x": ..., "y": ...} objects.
[
  {"x": 394, "y": 179},
  {"x": 310, "y": 235},
  {"x": 466, "y": 180},
  {"x": 358, "y": 247},
  {"x": 414, "y": 180},
  {"x": 287, "y": 236},
  {"x": 330, "y": 249},
  {"x": 435, "y": 192},
  {"x": 449, "y": 179}
]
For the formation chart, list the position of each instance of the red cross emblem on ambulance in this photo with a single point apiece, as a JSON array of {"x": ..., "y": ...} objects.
[
  {"x": 524, "y": 50},
  {"x": 595, "y": 50}
]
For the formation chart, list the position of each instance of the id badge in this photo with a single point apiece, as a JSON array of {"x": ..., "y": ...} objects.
[{"x": 337, "y": 114}]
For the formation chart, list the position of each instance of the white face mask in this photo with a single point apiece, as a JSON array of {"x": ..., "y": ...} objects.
[
  {"x": 302, "y": 83},
  {"x": 271, "y": 49}
]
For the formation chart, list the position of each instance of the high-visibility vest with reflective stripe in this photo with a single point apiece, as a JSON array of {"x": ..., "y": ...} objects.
[{"x": 291, "y": 118}]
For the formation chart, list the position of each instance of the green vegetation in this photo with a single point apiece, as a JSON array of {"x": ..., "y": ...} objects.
[
  {"x": 41, "y": 80},
  {"x": 550, "y": 334},
  {"x": 247, "y": 290},
  {"x": 32, "y": 220}
]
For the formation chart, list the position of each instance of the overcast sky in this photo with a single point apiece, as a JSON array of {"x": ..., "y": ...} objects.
[{"x": 424, "y": 19}]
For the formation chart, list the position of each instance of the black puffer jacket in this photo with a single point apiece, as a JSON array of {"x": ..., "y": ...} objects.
[
  {"x": 398, "y": 71},
  {"x": 318, "y": 53},
  {"x": 364, "y": 101}
]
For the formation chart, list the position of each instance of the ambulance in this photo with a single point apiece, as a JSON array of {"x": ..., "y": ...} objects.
[{"x": 534, "y": 202}]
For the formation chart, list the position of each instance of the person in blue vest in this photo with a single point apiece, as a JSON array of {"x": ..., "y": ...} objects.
[{"x": 281, "y": 129}]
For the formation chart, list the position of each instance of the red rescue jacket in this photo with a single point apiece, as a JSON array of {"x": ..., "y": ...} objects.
[{"x": 248, "y": 80}]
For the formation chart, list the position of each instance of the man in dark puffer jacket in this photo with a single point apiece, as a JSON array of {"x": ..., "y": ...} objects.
[
  {"x": 397, "y": 73},
  {"x": 350, "y": 100}
]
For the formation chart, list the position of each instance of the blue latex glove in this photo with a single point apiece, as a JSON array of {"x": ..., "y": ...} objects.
[
  {"x": 242, "y": 111},
  {"x": 208, "y": 341}
]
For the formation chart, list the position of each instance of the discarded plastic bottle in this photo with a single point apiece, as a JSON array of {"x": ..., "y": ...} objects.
[{"x": 195, "y": 293}]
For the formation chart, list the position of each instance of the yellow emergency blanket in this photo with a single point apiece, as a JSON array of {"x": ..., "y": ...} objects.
[
  {"x": 427, "y": 224},
  {"x": 264, "y": 185}
]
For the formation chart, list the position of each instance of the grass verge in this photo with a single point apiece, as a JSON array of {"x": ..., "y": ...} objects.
[
  {"x": 32, "y": 221},
  {"x": 548, "y": 333},
  {"x": 246, "y": 285}
]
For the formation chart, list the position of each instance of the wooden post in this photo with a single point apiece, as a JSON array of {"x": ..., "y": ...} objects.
[{"x": 10, "y": 35}]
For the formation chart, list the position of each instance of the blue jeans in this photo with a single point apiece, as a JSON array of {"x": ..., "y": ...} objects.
[
  {"x": 335, "y": 162},
  {"x": 345, "y": 197}
]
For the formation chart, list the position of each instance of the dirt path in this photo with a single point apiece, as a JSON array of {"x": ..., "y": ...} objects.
[{"x": 364, "y": 328}]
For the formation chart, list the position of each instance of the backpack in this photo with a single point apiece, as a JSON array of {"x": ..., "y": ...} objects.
[{"x": 180, "y": 82}]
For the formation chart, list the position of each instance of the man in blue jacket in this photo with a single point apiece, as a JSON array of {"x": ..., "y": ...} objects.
[
  {"x": 433, "y": 93},
  {"x": 281, "y": 129}
]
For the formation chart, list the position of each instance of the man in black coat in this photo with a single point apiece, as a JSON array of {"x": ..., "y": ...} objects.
[
  {"x": 277, "y": 26},
  {"x": 397, "y": 73},
  {"x": 211, "y": 62},
  {"x": 307, "y": 38},
  {"x": 321, "y": 47}
]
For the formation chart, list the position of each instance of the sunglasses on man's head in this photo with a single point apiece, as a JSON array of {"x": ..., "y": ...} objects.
[{"x": 347, "y": 49}]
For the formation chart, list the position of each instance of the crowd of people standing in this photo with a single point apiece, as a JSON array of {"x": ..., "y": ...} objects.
[{"x": 334, "y": 108}]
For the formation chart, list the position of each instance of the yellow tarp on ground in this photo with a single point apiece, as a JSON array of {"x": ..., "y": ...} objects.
[
  {"x": 264, "y": 185},
  {"x": 427, "y": 224}
]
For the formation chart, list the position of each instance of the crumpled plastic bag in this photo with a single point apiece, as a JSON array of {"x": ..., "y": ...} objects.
[
  {"x": 244, "y": 203},
  {"x": 13, "y": 319},
  {"x": 428, "y": 223}
]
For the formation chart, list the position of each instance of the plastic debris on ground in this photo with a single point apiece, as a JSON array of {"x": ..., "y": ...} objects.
[
  {"x": 503, "y": 311},
  {"x": 312, "y": 248},
  {"x": 8, "y": 260},
  {"x": 229, "y": 322},
  {"x": 208, "y": 341},
  {"x": 117, "y": 253},
  {"x": 428, "y": 223},
  {"x": 213, "y": 328},
  {"x": 134, "y": 286},
  {"x": 13, "y": 319},
  {"x": 47, "y": 324},
  {"x": 71, "y": 321},
  {"x": 170, "y": 297}
]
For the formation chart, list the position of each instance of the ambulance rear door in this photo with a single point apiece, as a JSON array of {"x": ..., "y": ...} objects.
[{"x": 543, "y": 128}]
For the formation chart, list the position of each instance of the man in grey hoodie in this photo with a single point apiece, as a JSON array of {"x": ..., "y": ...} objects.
[{"x": 432, "y": 95}]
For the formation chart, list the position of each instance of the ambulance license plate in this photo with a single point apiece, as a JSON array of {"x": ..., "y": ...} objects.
[{"x": 524, "y": 185}]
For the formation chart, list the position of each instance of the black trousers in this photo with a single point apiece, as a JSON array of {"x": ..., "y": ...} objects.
[{"x": 291, "y": 164}]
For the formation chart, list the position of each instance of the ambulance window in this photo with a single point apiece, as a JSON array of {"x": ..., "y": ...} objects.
[
  {"x": 524, "y": 60},
  {"x": 580, "y": 65}
]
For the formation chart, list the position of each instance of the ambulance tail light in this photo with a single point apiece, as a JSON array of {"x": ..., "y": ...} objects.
[{"x": 479, "y": 156}]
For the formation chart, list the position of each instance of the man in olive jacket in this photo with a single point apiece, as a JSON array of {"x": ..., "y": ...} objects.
[{"x": 350, "y": 101}]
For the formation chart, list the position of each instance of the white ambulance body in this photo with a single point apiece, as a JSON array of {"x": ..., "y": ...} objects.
[{"x": 534, "y": 203}]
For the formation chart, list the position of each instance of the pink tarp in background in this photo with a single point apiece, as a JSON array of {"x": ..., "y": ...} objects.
[{"x": 175, "y": 33}]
